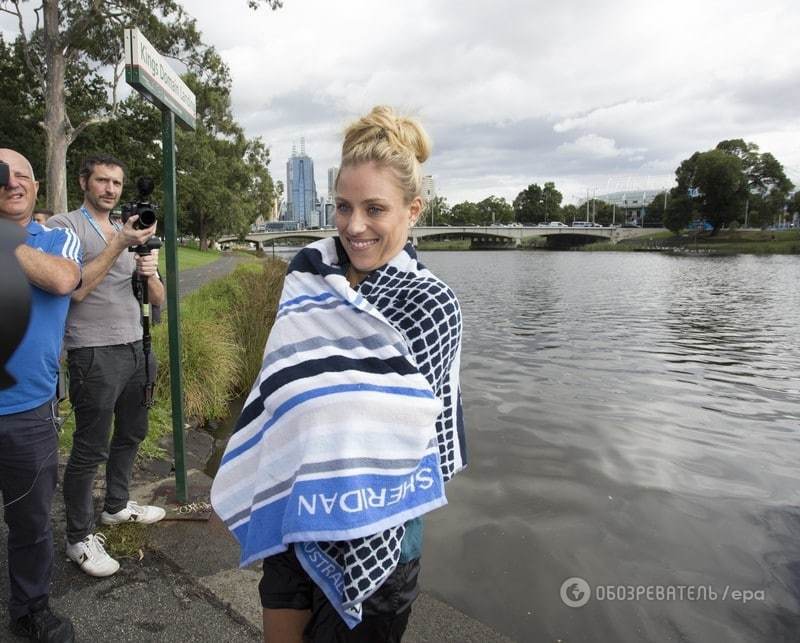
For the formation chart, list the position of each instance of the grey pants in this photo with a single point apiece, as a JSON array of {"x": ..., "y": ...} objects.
[{"x": 105, "y": 383}]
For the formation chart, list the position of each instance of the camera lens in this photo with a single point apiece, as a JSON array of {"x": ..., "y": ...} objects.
[{"x": 147, "y": 217}]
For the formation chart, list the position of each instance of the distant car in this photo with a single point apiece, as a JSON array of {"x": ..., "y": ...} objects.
[
  {"x": 583, "y": 224},
  {"x": 554, "y": 224}
]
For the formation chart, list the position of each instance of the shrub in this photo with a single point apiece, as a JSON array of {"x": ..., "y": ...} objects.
[{"x": 224, "y": 327}]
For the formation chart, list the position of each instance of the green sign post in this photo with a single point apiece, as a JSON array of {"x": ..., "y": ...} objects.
[{"x": 151, "y": 76}]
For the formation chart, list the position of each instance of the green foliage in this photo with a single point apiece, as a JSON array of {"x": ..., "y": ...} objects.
[
  {"x": 224, "y": 327},
  {"x": 465, "y": 213},
  {"x": 794, "y": 202},
  {"x": 495, "y": 210},
  {"x": 537, "y": 204},
  {"x": 570, "y": 213},
  {"x": 723, "y": 184},
  {"x": 84, "y": 38},
  {"x": 680, "y": 211},
  {"x": 657, "y": 208},
  {"x": 436, "y": 212}
]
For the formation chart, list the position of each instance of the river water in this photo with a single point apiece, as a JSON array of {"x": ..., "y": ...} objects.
[{"x": 633, "y": 420}]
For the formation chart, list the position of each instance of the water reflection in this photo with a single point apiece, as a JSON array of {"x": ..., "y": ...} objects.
[{"x": 633, "y": 419}]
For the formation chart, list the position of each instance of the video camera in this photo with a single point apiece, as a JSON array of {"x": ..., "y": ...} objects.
[
  {"x": 147, "y": 214},
  {"x": 142, "y": 207},
  {"x": 5, "y": 174}
]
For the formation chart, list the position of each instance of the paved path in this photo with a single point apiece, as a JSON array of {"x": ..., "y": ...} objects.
[{"x": 190, "y": 280}]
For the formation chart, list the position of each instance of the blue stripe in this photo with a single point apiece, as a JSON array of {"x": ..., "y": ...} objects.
[
  {"x": 327, "y": 585},
  {"x": 291, "y": 403},
  {"x": 322, "y": 296},
  {"x": 330, "y": 305}
]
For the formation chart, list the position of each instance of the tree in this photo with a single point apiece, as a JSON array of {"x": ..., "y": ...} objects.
[
  {"x": 86, "y": 35},
  {"x": 224, "y": 182},
  {"x": 223, "y": 179},
  {"x": 536, "y": 204},
  {"x": 527, "y": 205},
  {"x": 436, "y": 212},
  {"x": 603, "y": 213},
  {"x": 569, "y": 213},
  {"x": 794, "y": 203},
  {"x": 22, "y": 104},
  {"x": 465, "y": 213},
  {"x": 552, "y": 201},
  {"x": 494, "y": 210},
  {"x": 722, "y": 186},
  {"x": 656, "y": 208},
  {"x": 679, "y": 212}
]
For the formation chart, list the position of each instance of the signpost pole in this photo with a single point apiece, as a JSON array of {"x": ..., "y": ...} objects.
[
  {"x": 173, "y": 316},
  {"x": 151, "y": 76}
]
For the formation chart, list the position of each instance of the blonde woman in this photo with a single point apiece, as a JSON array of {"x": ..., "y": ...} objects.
[{"x": 354, "y": 423}]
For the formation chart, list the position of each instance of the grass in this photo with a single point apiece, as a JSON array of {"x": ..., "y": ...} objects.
[
  {"x": 188, "y": 258},
  {"x": 725, "y": 242},
  {"x": 224, "y": 327},
  {"x": 127, "y": 540},
  {"x": 447, "y": 244}
]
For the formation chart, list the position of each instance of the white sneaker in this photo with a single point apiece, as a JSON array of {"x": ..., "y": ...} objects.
[
  {"x": 134, "y": 512},
  {"x": 90, "y": 554}
]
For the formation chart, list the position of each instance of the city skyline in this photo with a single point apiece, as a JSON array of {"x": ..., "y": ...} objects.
[{"x": 590, "y": 96}]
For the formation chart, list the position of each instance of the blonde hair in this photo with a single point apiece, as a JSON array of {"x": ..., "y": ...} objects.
[{"x": 396, "y": 142}]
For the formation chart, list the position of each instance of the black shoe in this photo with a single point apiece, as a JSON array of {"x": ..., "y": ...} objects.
[{"x": 42, "y": 625}]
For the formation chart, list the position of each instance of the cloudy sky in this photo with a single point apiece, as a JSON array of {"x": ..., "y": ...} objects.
[{"x": 592, "y": 95}]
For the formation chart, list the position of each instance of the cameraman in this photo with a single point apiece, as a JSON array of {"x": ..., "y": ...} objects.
[
  {"x": 106, "y": 364},
  {"x": 50, "y": 259}
]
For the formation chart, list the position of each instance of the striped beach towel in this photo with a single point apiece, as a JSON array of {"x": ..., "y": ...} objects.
[{"x": 353, "y": 425}]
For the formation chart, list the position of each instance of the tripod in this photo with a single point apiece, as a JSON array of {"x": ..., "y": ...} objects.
[{"x": 143, "y": 297}]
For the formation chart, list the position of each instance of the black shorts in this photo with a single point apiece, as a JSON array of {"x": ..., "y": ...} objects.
[{"x": 286, "y": 585}]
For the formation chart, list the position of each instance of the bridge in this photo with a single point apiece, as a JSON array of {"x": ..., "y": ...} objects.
[{"x": 480, "y": 235}]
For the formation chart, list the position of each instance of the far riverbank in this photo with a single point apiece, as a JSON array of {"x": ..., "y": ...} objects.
[{"x": 725, "y": 242}]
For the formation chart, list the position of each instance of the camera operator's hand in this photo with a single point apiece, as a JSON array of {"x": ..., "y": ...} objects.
[
  {"x": 130, "y": 236},
  {"x": 147, "y": 265}
]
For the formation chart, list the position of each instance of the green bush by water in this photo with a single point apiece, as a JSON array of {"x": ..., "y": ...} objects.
[{"x": 224, "y": 327}]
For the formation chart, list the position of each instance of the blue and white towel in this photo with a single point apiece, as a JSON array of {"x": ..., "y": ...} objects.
[{"x": 353, "y": 425}]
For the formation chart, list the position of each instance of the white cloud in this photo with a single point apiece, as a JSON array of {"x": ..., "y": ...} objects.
[
  {"x": 515, "y": 92},
  {"x": 594, "y": 146}
]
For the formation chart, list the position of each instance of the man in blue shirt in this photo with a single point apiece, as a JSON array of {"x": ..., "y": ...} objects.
[{"x": 50, "y": 260}]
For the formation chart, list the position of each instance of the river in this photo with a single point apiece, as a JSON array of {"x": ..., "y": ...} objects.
[{"x": 633, "y": 420}]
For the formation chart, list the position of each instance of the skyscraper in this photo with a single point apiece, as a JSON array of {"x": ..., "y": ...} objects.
[
  {"x": 428, "y": 188},
  {"x": 301, "y": 191},
  {"x": 333, "y": 172}
]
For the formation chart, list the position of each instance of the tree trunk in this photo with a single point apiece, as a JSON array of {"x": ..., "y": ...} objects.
[
  {"x": 202, "y": 236},
  {"x": 56, "y": 125}
]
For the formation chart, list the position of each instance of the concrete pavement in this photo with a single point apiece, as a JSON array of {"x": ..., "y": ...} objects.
[{"x": 187, "y": 585}]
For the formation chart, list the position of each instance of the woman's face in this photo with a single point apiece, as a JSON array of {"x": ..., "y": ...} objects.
[{"x": 372, "y": 216}]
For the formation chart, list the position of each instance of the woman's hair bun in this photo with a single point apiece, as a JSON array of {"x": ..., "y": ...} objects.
[{"x": 384, "y": 137}]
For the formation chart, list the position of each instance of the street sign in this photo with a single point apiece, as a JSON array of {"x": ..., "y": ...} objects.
[{"x": 149, "y": 73}]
